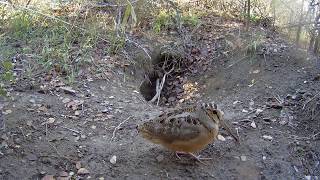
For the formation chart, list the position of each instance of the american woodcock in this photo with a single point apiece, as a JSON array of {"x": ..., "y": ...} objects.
[{"x": 186, "y": 130}]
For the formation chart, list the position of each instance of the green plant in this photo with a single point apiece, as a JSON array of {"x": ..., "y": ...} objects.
[{"x": 6, "y": 76}]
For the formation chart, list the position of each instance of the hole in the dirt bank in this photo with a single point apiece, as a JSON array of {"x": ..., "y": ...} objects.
[{"x": 167, "y": 78}]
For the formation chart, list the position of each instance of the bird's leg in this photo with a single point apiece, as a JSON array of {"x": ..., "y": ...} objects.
[{"x": 198, "y": 158}]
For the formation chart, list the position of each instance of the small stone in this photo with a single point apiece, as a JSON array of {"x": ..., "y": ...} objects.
[
  {"x": 113, "y": 159},
  {"x": 32, "y": 101},
  {"x": 308, "y": 177},
  {"x": 71, "y": 173},
  {"x": 267, "y": 137},
  {"x": 77, "y": 113},
  {"x": 83, "y": 136},
  {"x": 83, "y": 171},
  {"x": 244, "y": 111},
  {"x": 101, "y": 178},
  {"x": 111, "y": 97},
  {"x": 29, "y": 123},
  {"x": 51, "y": 120},
  {"x": 264, "y": 158},
  {"x": 221, "y": 138},
  {"x": 66, "y": 100},
  {"x": 160, "y": 158},
  {"x": 243, "y": 158},
  {"x": 253, "y": 125},
  {"x": 93, "y": 127},
  {"x": 8, "y": 111}
]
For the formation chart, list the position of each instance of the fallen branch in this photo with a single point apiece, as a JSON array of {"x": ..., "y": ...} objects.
[
  {"x": 72, "y": 130},
  {"x": 118, "y": 127},
  {"x": 310, "y": 100},
  {"x": 159, "y": 87}
]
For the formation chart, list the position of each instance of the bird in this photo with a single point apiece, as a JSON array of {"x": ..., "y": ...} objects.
[{"x": 186, "y": 130}]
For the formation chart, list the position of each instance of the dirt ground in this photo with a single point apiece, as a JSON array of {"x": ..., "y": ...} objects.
[{"x": 272, "y": 102}]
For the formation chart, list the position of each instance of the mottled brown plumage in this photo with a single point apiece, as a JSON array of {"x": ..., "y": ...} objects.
[{"x": 185, "y": 130}]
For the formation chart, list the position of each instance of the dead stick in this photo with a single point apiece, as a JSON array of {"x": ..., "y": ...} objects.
[
  {"x": 118, "y": 127},
  {"x": 310, "y": 100}
]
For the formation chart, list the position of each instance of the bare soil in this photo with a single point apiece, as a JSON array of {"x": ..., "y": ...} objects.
[{"x": 70, "y": 134}]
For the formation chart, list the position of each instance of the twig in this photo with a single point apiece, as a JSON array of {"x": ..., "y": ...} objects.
[
  {"x": 310, "y": 100},
  {"x": 236, "y": 62},
  {"x": 160, "y": 87},
  {"x": 75, "y": 131},
  {"x": 118, "y": 127},
  {"x": 139, "y": 46}
]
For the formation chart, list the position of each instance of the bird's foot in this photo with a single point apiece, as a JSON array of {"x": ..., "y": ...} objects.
[{"x": 199, "y": 159}]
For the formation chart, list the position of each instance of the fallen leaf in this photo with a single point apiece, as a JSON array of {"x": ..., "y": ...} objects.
[{"x": 83, "y": 171}]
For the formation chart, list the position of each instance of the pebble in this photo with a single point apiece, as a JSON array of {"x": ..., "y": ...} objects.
[
  {"x": 267, "y": 137},
  {"x": 243, "y": 158},
  {"x": 113, "y": 159},
  {"x": 83, "y": 171}
]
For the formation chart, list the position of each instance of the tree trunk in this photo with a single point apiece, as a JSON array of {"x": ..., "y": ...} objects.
[
  {"x": 248, "y": 14},
  {"x": 300, "y": 24}
]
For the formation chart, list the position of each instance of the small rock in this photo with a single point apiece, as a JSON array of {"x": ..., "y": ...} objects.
[
  {"x": 111, "y": 97},
  {"x": 29, "y": 123},
  {"x": 160, "y": 158},
  {"x": 243, "y": 158},
  {"x": 264, "y": 158},
  {"x": 221, "y": 138},
  {"x": 93, "y": 127},
  {"x": 83, "y": 171},
  {"x": 101, "y": 178},
  {"x": 308, "y": 177},
  {"x": 283, "y": 122},
  {"x": 32, "y": 101},
  {"x": 244, "y": 111},
  {"x": 51, "y": 120},
  {"x": 267, "y": 137},
  {"x": 258, "y": 111},
  {"x": 71, "y": 173},
  {"x": 83, "y": 136},
  {"x": 113, "y": 159},
  {"x": 253, "y": 124}
]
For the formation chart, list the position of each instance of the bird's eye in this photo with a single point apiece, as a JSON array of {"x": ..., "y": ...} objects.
[{"x": 214, "y": 112}]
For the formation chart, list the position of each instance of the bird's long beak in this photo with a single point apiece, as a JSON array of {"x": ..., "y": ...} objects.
[{"x": 226, "y": 126}]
